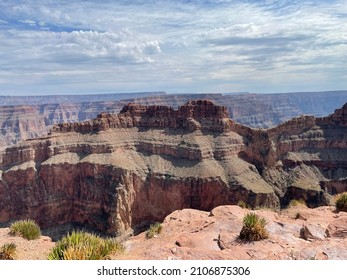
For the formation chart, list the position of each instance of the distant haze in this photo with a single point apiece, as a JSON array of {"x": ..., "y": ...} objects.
[{"x": 83, "y": 47}]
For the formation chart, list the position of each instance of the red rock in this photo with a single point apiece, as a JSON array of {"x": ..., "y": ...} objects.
[
  {"x": 312, "y": 232},
  {"x": 337, "y": 228},
  {"x": 117, "y": 171},
  {"x": 201, "y": 235}
]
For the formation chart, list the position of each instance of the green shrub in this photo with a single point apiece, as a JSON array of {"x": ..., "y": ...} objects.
[
  {"x": 341, "y": 202},
  {"x": 253, "y": 228},
  {"x": 8, "y": 251},
  {"x": 154, "y": 230},
  {"x": 81, "y": 245},
  {"x": 27, "y": 229},
  {"x": 296, "y": 202},
  {"x": 242, "y": 204}
]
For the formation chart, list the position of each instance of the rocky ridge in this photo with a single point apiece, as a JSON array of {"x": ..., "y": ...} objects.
[
  {"x": 25, "y": 117},
  {"x": 194, "y": 115},
  {"x": 118, "y": 172}
]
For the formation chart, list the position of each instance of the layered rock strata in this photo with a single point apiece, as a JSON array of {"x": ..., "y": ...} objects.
[
  {"x": 118, "y": 171},
  {"x": 308, "y": 157},
  {"x": 24, "y": 117}
]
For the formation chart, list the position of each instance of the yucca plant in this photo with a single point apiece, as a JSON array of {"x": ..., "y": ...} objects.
[
  {"x": 27, "y": 229},
  {"x": 253, "y": 228},
  {"x": 80, "y": 245},
  {"x": 154, "y": 230},
  {"x": 341, "y": 202},
  {"x": 8, "y": 251}
]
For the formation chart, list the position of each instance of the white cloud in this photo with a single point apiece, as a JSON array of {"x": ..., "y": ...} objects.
[
  {"x": 66, "y": 48},
  {"x": 28, "y": 22},
  {"x": 174, "y": 45}
]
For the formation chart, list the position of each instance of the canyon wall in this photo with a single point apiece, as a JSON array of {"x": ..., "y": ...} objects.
[
  {"x": 24, "y": 117},
  {"x": 118, "y": 171},
  {"x": 308, "y": 157}
]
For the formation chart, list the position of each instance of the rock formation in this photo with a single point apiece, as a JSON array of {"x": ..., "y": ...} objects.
[
  {"x": 194, "y": 115},
  {"x": 297, "y": 233},
  {"x": 115, "y": 172},
  {"x": 308, "y": 157},
  {"x": 25, "y": 117}
]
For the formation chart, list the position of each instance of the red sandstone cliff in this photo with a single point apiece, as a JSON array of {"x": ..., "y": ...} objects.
[
  {"x": 308, "y": 157},
  {"x": 117, "y": 171},
  {"x": 253, "y": 110}
]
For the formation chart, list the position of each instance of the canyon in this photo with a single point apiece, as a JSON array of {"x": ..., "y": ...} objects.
[
  {"x": 26, "y": 117},
  {"x": 119, "y": 172}
]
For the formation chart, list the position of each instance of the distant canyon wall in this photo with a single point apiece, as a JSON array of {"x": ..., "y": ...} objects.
[{"x": 30, "y": 117}]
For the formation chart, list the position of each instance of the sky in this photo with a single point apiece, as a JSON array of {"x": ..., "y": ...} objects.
[{"x": 81, "y": 46}]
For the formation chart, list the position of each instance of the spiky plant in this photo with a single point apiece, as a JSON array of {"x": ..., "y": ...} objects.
[
  {"x": 27, "y": 229},
  {"x": 253, "y": 228},
  {"x": 8, "y": 251},
  {"x": 341, "y": 202},
  {"x": 154, "y": 230},
  {"x": 80, "y": 245}
]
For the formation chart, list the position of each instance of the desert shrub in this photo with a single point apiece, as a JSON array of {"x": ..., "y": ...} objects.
[
  {"x": 242, "y": 204},
  {"x": 8, "y": 251},
  {"x": 341, "y": 202},
  {"x": 296, "y": 202},
  {"x": 154, "y": 230},
  {"x": 253, "y": 228},
  {"x": 27, "y": 229},
  {"x": 80, "y": 245}
]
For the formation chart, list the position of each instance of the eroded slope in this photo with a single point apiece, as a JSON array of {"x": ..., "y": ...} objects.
[{"x": 117, "y": 172}]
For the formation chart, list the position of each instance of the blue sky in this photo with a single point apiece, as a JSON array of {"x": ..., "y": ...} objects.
[{"x": 74, "y": 47}]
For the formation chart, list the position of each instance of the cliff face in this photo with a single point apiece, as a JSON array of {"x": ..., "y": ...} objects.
[
  {"x": 20, "y": 122},
  {"x": 253, "y": 110},
  {"x": 261, "y": 110},
  {"x": 308, "y": 157},
  {"x": 117, "y": 171},
  {"x": 30, "y": 121},
  {"x": 194, "y": 115}
]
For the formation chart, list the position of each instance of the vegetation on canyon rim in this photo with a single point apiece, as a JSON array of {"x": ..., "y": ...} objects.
[
  {"x": 27, "y": 229},
  {"x": 8, "y": 251},
  {"x": 154, "y": 230},
  {"x": 243, "y": 204},
  {"x": 253, "y": 228},
  {"x": 297, "y": 202},
  {"x": 80, "y": 245},
  {"x": 341, "y": 202}
]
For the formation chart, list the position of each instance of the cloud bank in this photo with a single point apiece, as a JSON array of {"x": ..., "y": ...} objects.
[{"x": 50, "y": 47}]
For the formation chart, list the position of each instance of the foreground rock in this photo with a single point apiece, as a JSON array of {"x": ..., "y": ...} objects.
[
  {"x": 213, "y": 235},
  {"x": 27, "y": 249},
  {"x": 193, "y": 234}
]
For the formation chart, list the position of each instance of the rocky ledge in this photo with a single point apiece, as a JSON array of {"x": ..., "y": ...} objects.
[
  {"x": 119, "y": 172},
  {"x": 296, "y": 233}
]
